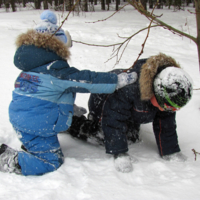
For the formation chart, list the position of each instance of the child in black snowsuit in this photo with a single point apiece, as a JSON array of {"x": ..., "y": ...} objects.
[{"x": 162, "y": 88}]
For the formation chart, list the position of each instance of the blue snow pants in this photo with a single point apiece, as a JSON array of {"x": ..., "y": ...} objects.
[{"x": 42, "y": 155}]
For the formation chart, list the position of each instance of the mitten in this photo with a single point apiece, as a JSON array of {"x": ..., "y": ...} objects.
[
  {"x": 79, "y": 111},
  {"x": 126, "y": 79},
  {"x": 178, "y": 157}
]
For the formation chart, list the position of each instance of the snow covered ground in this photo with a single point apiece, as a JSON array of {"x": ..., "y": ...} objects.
[{"x": 88, "y": 173}]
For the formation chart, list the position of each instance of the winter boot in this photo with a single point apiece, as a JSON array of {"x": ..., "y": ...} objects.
[
  {"x": 74, "y": 129},
  {"x": 123, "y": 162},
  {"x": 93, "y": 131},
  {"x": 133, "y": 132},
  {"x": 9, "y": 160}
]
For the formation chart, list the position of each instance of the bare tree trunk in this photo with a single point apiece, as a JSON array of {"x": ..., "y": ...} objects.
[
  {"x": 56, "y": 3},
  {"x": 108, "y": 4},
  {"x": 144, "y": 4},
  {"x": 24, "y": 3},
  {"x": 103, "y": 5},
  {"x": 117, "y": 5},
  {"x": 188, "y": 2},
  {"x": 68, "y": 5},
  {"x": 170, "y": 3},
  {"x": 150, "y": 4},
  {"x": 159, "y": 4},
  {"x": 49, "y": 1},
  {"x": 86, "y": 5},
  {"x": 13, "y": 5},
  {"x": 45, "y": 3},
  {"x": 7, "y": 4},
  {"x": 197, "y": 8},
  {"x": 37, "y": 4}
]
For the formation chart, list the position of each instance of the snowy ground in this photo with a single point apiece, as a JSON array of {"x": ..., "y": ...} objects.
[{"x": 88, "y": 173}]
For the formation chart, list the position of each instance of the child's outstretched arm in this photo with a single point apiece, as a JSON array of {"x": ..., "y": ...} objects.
[{"x": 94, "y": 82}]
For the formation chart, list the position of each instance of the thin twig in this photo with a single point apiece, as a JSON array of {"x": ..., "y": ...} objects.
[
  {"x": 142, "y": 50},
  {"x": 116, "y": 51},
  {"x": 195, "y": 153},
  {"x": 63, "y": 21},
  {"x": 159, "y": 22},
  {"x": 193, "y": 12},
  {"x": 110, "y": 15}
]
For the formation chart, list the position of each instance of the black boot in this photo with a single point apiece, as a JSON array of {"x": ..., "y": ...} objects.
[
  {"x": 75, "y": 127},
  {"x": 133, "y": 132},
  {"x": 9, "y": 160},
  {"x": 84, "y": 129}
]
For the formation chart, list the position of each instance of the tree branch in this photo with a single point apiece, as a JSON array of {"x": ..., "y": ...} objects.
[
  {"x": 142, "y": 50},
  {"x": 140, "y": 9},
  {"x": 110, "y": 15},
  {"x": 63, "y": 21},
  {"x": 120, "y": 45}
]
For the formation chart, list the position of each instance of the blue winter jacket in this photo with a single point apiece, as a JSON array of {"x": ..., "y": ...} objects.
[{"x": 46, "y": 88}]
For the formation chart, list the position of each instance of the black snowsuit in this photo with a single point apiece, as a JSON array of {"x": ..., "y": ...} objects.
[{"x": 130, "y": 106}]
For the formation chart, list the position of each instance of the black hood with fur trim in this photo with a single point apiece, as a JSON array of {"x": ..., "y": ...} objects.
[{"x": 149, "y": 70}]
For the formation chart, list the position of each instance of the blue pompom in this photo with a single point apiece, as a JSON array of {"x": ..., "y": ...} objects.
[{"x": 49, "y": 15}]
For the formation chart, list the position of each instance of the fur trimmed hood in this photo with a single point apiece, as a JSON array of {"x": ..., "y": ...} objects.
[
  {"x": 149, "y": 71},
  {"x": 44, "y": 40}
]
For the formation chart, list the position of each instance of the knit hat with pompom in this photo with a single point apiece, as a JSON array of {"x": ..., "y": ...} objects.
[{"x": 48, "y": 24}]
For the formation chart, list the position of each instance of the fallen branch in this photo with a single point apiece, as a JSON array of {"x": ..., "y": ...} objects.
[{"x": 195, "y": 153}]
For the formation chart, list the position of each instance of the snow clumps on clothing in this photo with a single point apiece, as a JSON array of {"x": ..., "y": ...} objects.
[{"x": 173, "y": 85}]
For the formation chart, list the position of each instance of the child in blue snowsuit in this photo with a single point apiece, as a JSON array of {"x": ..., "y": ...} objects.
[{"x": 44, "y": 96}]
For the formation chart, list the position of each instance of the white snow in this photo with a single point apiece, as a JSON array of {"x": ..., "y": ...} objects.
[
  {"x": 88, "y": 173},
  {"x": 167, "y": 79}
]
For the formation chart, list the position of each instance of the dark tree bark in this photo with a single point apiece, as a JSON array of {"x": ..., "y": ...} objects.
[
  {"x": 103, "y": 5},
  {"x": 49, "y": 1},
  {"x": 12, "y": 2},
  {"x": 68, "y": 5},
  {"x": 170, "y": 3},
  {"x": 37, "y": 4},
  {"x": 117, "y": 5},
  {"x": 7, "y": 4},
  {"x": 24, "y": 3},
  {"x": 45, "y": 3},
  {"x": 144, "y": 4},
  {"x": 108, "y": 4},
  {"x": 151, "y": 4},
  {"x": 85, "y": 5},
  {"x": 56, "y": 2},
  {"x": 197, "y": 9}
]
